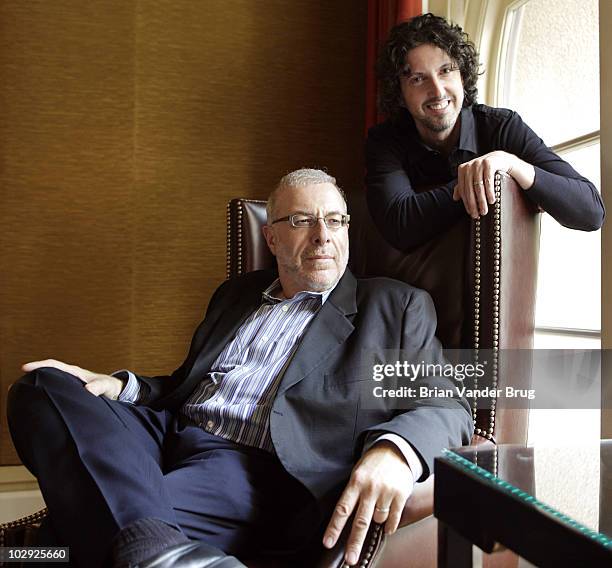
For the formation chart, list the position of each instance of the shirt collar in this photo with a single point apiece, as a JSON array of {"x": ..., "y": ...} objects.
[
  {"x": 467, "y": 132},
  {"x": 467, "y": 135},
  {"x": 271, "y": 294}
]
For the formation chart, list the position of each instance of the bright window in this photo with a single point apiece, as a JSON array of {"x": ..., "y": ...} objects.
[{"x": 551, "y": 78}]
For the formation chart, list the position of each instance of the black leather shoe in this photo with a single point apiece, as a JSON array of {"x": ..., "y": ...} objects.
[{"x": 191, "y": 555}]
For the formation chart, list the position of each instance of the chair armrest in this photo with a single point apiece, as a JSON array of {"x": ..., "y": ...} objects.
[{"x": 22, "y": 531}]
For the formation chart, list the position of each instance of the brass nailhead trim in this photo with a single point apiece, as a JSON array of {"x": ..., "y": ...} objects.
[
  {"x": 477, "y": 238},
  {"x": 228, "y": 242},
  {"x": 239, "y": 229},
  {"x": 496, "y": 296},
  {"x": 22, "y": 522}
]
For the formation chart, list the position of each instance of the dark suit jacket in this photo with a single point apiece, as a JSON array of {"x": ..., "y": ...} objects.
[{"x": 319, "y": 420}]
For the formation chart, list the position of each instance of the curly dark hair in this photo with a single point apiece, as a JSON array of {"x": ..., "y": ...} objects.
[{"x": 412, "y": 33}]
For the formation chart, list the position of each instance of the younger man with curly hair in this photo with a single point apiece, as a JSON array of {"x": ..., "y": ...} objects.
[{"x": 439, "y": 139}]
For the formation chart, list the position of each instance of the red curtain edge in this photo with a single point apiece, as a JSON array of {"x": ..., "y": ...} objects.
[{"x": 382, "y": 16}]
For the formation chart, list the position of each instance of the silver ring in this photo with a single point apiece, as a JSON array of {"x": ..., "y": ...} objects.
[
  {"x": 381, "y": 510},
  {"x": 478, "y": 183}
]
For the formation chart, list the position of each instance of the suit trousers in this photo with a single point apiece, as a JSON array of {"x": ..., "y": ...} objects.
[{"x": 103, "y": 464}]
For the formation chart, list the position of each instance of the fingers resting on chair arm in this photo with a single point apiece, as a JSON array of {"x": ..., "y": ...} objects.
[
  {"x": 377, "y": 491},
  {"x": 475, "y": 179}
]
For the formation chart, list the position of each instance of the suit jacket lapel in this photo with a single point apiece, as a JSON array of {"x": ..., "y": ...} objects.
[
  {"x": 223, "y": 329},
  {"x": 329, "y": 329}
]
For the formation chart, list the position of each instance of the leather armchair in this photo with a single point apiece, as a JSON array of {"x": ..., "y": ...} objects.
[{"x": 481, "y": 276}]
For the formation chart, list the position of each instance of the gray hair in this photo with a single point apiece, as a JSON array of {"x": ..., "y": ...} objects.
[{"x": 300, "y": 178}]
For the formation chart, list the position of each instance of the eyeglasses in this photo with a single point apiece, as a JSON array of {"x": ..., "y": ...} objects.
[{"x": 306, "y": 221}]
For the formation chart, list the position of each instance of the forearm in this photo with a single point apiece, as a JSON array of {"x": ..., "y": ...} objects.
[
  {"x": 430, "y": 425},
  {"x": 407, "y": 219},
  {"x": 522, "y": 172},
  {"x": 557, "y": 187},
  {"x": 405, "y": 216},
  {"x": 412, "y": 458},
  {"x": 574, "y": 202}
]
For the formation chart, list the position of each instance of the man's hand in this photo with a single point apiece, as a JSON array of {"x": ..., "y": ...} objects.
[
  {"x": 476, "y": 180},
  {"x": 95, "y": 383},
  {"x": 378, "y": 489}
]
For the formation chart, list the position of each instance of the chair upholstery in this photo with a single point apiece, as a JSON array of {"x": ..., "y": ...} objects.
[{"x": 481, "y": 276}]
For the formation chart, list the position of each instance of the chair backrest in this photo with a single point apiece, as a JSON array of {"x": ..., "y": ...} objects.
[{"x": 481, "y": 275}]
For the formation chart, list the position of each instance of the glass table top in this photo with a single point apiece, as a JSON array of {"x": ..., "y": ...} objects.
[{"x": 573, "y": 484}]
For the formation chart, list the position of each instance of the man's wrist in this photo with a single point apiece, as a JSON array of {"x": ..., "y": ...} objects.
[
  {"x": 130, "y": 391},
  {"x": 522, "y": 172},
  {"x": 405, "y": 450},
  {"x": 120, "y": 386}
]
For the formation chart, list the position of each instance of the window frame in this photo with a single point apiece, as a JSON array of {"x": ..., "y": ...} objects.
[{"x": 493, "y": 25}]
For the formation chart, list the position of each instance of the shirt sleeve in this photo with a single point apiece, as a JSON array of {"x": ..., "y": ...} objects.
[
  {"x": 413, "y": 461},
  {"x": 406, "y": 218},
  {"x": 558, "y": 188},
  {"x": 131, "y": 392}
]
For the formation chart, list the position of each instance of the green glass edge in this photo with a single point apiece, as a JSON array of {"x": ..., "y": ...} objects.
[{"x": 509, "y": 488}]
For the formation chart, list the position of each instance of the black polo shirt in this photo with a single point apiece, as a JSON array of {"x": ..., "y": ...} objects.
[{"x": 398, "y": 163}]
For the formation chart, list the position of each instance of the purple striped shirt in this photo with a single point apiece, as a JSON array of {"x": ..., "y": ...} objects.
[{"x": 235, "y": 398}]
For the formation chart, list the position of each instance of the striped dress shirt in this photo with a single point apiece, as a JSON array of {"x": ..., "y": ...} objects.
[{"x": 235, "y": 398}]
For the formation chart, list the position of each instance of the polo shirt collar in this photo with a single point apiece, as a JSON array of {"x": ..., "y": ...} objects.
[
  {"x": 467, "y": 135},
  {"x": 467, "y": 132}
]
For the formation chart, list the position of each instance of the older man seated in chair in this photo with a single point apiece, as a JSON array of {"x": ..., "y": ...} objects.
[{"x": 257, "y": 443}]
